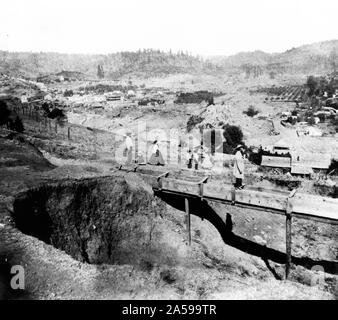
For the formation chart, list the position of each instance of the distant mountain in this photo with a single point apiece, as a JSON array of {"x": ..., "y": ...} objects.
[
  {"x": 317, "y": 57},
  {"x": 241, "y": 58},
  {"x": 143, "y": 63}
]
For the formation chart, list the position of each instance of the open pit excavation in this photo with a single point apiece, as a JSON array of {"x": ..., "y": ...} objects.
[{"x": 97, "y": 221}]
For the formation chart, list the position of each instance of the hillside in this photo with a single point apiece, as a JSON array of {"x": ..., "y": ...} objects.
[
  {"x": 141, "y": 63},
  {"x": 312, "y": 58}
]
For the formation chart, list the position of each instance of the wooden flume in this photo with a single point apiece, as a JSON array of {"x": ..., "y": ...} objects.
[{"x": 290, "y": 205}]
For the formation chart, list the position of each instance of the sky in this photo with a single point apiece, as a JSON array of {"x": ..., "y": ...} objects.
[{"x": 201, "y": 27}]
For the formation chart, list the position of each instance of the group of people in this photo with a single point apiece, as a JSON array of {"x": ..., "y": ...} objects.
[
  {"x": 198, "y": 158},
  {"x": 195, "y": 158}
]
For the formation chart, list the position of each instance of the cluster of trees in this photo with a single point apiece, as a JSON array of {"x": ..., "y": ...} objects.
[
  {"x": 276, "y": 68},
  {"x": 252, "y": 70},
  {"x": 318, "y": 85},
  {"x": 102, "y": 88},
  {"x": 113, "y": 65},
  {"x": 272, "y": 69},
  {"x": 316, "y": 58},
  {"x": 195, "y": 97},
  {"x": 156, "y": 62},
  {"x": 233, "y": 136}
]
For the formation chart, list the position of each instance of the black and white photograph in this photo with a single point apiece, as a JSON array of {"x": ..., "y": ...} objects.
[{"x": 156, "y": 150}]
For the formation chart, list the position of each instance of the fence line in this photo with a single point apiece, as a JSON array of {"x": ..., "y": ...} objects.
[{"x": 103, "y": 144}]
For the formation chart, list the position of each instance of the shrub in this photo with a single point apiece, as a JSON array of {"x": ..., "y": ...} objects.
[
  {"x": 312, "y": 84},
  {"x": 56, "y": 113},
  {"x": 168, "y": 276},
  {"x": 251, "y": 111},
  {"x": 233, "y": 136}
]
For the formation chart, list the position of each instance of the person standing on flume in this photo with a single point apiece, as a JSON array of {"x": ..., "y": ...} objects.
[
  {"x": 192, "y": 159},
  {"x": 129, "y": 148},
  {"x": 189, "y": 158},
  {"x": 239, "y": 166}
]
